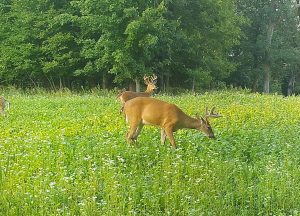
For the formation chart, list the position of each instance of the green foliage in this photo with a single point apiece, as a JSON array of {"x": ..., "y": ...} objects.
[
  {"x": 37, "y": 41},
  {"x": 270, "y": 39},
  {"x": 66, "y": 154},
  {"x": 188, "y": 44},
  {"x": 52, "y": 43}
]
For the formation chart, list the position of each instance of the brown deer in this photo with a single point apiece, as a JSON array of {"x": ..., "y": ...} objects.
[
  {"x": 4, "y": 105},
  {"x": 149, "y": 111},
  {"x": 151, "y": 86}
]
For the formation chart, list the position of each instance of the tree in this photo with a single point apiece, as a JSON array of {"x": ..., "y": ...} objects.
[
  {"x": 269, "y": 33},
  {"x": 37, "y": 42},
  {"x": 208, "y": 31},
  {"x": 85, "y": 42}
]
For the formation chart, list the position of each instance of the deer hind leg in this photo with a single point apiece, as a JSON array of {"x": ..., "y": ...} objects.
[
  {"x": 137, "y": 131},
  {"x": 133, "y": 131},
  {"x": 163, "y": 136},
  {"x": 169, "y": 133},
  {"x": 122, "y": 109},
  {"x": 2, "y": 111}
]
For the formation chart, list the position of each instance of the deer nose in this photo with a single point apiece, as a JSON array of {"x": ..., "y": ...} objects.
[{"x": 211, "y": 136}]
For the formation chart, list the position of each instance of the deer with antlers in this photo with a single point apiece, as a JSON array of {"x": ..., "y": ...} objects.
[
  {"x": 128, "y": 95},
  {"x": 4, "y": 105},
  {"x": 149, "y": 111},
  {"x": 151, "y": 86}
]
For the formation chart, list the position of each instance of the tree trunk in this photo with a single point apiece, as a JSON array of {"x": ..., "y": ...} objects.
[
  {"x": 137, "y": 85},
  {"x": 298, "y": 7},
  {"x": 104, "y": 81},
  {"x": 255, "y": 84},
  {"x": 162, "y": 84},
  {"x": 131, "y": 86},
  {"x": 60, "y": 84},
  {"x": 291, "y": 84},
  {"x": 270, "y": 32},
  {"x": 193, "y": 84},
  {"x": 167, "y": 82},
  {"x": 267, "y": 70},
  {"x": 267, "y": 60},
  {"x": 51, "y": 83},
  {"x": 255, "y": 65}
]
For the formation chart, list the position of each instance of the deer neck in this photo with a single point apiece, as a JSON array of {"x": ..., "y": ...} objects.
[
  {"x": 189, "y": 122},
  {"x": 148, "y": 90}
]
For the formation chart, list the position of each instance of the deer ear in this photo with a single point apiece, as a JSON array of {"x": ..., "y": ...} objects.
[
  {"x": 202, "y": 120},
  {"x": 197, "y": 116}
]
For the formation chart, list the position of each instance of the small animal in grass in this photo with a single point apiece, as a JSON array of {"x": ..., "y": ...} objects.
[{"x": 4, "y": 105}]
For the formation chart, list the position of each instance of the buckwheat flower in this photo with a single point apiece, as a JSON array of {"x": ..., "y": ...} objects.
[
  {"x": 87, "y": 158},
  {"x": 81, "y": 203},
  {"x": 52, "y": 184},
  {"x": 121, "y": 159}
]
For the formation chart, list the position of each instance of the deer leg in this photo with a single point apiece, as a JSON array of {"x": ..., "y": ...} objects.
[
  {"x": 169, "y": 133},
  {"x": 122, "y": 109},
  {"x": 3, "y": 113},
  {"x": 137, "y": 131},
  {"x": 163, "y": 136},
  {"x": 132, "y": 131}
]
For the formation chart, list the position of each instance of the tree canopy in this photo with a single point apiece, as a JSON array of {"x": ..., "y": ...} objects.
[{"x": 201, "y": 44}]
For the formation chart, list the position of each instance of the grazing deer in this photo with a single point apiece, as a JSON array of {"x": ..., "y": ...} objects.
[
  {"x": 4, "y": 105},
  {"x": 149, "y": 111},
  {"x": 151, "y": 86}
]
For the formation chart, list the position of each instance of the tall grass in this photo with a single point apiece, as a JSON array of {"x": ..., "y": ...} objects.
[{"x": 66, "y": 154}]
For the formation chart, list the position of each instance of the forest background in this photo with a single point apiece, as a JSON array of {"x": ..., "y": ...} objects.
[{"x": 194, "y": 45}]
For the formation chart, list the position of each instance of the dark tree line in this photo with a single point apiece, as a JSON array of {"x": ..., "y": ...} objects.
[
  {"x": 200, "y": 44},
  {"x": 268, "y": 55}
]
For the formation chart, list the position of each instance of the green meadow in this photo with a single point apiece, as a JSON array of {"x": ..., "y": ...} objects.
[{"x": 66, "y": 154}]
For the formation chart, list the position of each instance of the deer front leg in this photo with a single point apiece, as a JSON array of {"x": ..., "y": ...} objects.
[
  {"x": 169, "y": 133},
  {"x": 163, "y": 136},
  {"x": 122, "y": 109}
]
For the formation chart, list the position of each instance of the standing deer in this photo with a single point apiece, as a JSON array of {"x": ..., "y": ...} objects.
[
  {"x": 4, "y": 105},
  {"x": 151, "y": 86},
  {"x": 149, "y": 111}
]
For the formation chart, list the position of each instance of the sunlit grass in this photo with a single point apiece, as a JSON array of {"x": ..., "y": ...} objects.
[{"x": 66, "y": 154}]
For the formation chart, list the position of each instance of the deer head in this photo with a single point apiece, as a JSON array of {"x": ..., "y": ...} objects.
[
  {"x": 205, "y": 127},
  {"x": 150, "y": 82},
  {"x": 204, "y": 123}
]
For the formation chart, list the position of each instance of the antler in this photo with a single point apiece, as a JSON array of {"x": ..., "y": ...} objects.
[
  {"x": 211, "y": 113},
  {"x": 153, "y": 79},
  {"x": 146, "y": 80}
]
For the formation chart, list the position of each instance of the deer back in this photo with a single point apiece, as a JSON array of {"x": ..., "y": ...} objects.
[
  {"x": 128, "y": 95},
  {"x": 152, "y": 111}
]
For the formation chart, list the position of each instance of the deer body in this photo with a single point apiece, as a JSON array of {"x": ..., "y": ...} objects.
[
  {"x": 149, "y": 111},
  {"x": 4, "y": 104}
]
